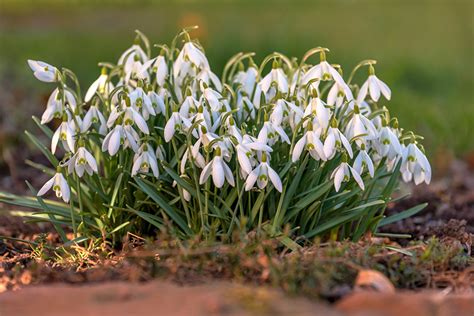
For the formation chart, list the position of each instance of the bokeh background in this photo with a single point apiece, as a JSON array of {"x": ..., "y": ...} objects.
[{"x": 425, "y": 50}]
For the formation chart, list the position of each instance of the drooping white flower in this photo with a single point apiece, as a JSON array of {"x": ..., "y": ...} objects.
[
  {"x": 363, "y": 161},
  {"x": 140, "y": 100},
  {"x": 190, "y": 56},
  {"x": 160, "y": 67},
  {"x": 219, "y": 170},
  {"x": 59, "y": 185},
  {"x": 261, "y": 174},
  {"x": 93, "y": 115},
  {"x": 157, "y": 65},
  {"x": 65, "y": 134},
  {"x": 208, "y": 77},
  {"x": 57, "y": 105},
  {"x": 335, "y": 139},
  {"x": 343, "y": 174},
  {"x": 373, "y": 86},
  {"x": 360, "y": 128},
  {"x": 415, "y": 165},
  {"x": 132, "y": 61},
  {"x": 101, "y": 85},
  {"x": 245, "y": 107},
  {"x": 321, "y": 112},
  {"x": 43, "y": 71},
  {"x": 119, "y": 135},
  {"x": 388, "y": 144},
  {"x": 337, "y": 94},
  {"x": 324, "y": 71},
  {"x": 247, "y": 79},
  {"x": 176, "y": 123},
  {"x": 157, "y": 101},
  {"x": 271, "y": 133},
  {"x": 145, "y": 159},
  {"x": 191, "y": 52},
  {"x": 244, "y": 148},
  {"x": 82, "y": 161},
  {"x": 75, "y": 122},
  {"x": 276, "y": 76},
  {"x": 311, "y": 143},
  {"x": 212, "y": 97},
  {"x": 132, "y": 116}
]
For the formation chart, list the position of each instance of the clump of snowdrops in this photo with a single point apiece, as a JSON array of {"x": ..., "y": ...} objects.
[{"x": 160, "y": 142}]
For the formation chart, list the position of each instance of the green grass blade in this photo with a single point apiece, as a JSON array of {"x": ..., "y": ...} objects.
[
  {"x": 155, "y": 196},
  {"x": 402, "y": 215}
]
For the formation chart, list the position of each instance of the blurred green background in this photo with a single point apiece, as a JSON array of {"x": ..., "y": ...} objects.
[{"x": 425, "y": 49}]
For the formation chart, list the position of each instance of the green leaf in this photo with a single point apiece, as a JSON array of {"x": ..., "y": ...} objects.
[
  {"x": 150, "y": 218},
  {"x": 52, "y": 159},
  {"x": 155, "y": 196},
  {"x": 45, "y": 129},
  {"x": 402, "y": 215},
  {"x": 337, "y": 221}
]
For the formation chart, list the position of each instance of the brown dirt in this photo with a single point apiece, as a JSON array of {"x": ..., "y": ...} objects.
[
  {"x": 407, "y": 303},
  {"x": 156, "y": 298},
  {"x": 450, "y": 210}
]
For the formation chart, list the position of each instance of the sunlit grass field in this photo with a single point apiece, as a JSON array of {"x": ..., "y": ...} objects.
[{"x": 424, "y": 48}]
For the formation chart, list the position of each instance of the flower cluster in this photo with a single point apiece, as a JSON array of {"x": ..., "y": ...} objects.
[{"x": 248, "y": 128}]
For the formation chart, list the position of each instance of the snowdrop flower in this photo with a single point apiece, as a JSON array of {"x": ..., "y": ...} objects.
[
  {"x": 277, "y": 76},
  {"x": 82, "y": 161},
  {"x": 43, "y": 71},
  {"x": 120, "y": 135},
  {"x": 196, "y": 155},
  {"x": 145, "y": 159},
  {"x": 100, "y": 85},
  {"x": 363, "y": 161},
  {"x": 337, "y": 94},
  {"x": 245, "y": 106},
  {"x": 311, "y": 142},
  {"x": 415, "y": 165},
  {"x": 135, "y": 51},
  {"x": 219, "y": 170},
  {"x": 140, "y": 100},
  {"x": 176, "y": 123},
  {"x": 324, "y": 71},
  {"x": 212, "y": 97},
  {"x": 93, "y": 116},
  {"x": 132, "y": 61},
  {"x": 343, "y": 174},
  {"x": 189, "y": 107},
  {"x": 261, "y": 174},
  {"x": 244, "y": 153},
  {"x": 373, "y": 86},
  {"x": 271, "y": 133},
  {"x": 75, "y": 122},
  {"x": 318, "y": 108},
  {"x": 64, "y": 133},
  {"x": 247, "y": 79},
  {"x": 388, "y": 144},
  {"x": 59, "y": 185},
  {"x": 131, "y": 116},
  {"x": 160, "y": 67},
  {"x": 192, "y": 53},
  {"x": 361, "y": 127},
  {"x": 157, "y": 101},
  {"x": 335, "y": 139},
  {"x": 55, "y": 106},
  {"x": 207, "y": 76}
]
